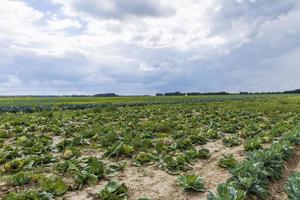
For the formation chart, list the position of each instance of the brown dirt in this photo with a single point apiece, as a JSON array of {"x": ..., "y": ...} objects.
[
  {"x": 154, "y": 183},
  {"x": 3, "y": 188},
  {"x": 56, "y": 140},
  {"x": 213, "y": 174}
]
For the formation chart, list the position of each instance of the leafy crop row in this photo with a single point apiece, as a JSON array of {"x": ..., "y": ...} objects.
[
  {"x": 252, "y": 177},
  {"x": 85, "y": 147},
  {"x": 293, "y": 186}
]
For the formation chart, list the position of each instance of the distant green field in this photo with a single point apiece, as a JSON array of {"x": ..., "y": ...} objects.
[
  {"x": 56, "y": 101},
  {"x": 70, "y": 152}
]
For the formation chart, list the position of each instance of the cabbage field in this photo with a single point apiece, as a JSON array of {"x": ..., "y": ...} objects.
[{"x": 157, "y": 148}]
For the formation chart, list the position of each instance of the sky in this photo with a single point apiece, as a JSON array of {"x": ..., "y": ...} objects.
[{"x": 147, "y": 46}]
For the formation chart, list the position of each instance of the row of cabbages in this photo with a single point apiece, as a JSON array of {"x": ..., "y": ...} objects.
[{"x": 261, "y": 167}]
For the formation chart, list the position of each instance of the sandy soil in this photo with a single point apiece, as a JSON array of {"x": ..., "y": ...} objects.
[
  {"x": 154, "y": 183},
  {"x": 3, "y": 188}
]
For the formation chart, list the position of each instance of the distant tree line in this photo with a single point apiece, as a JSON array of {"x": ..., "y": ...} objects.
[
  {"x": 297, "y": 91},
  {"x": 106, "y": 95},
  {"x": 191, "y": 93},
  {"x": 292, "y": 92}
]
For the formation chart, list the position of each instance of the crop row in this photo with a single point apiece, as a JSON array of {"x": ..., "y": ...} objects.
[
  {"x": 260, "y": 168},
  {"x": 62, "y": 106},
  {"x": 248, "y": 178},
  {"x": 86, "y": 147}
]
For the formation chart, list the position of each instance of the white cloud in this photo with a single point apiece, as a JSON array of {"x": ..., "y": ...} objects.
[
  {"x": 18, "y": 22},
  {"x": 158, "y": 45},
  {"x": 58, "y": 24}
]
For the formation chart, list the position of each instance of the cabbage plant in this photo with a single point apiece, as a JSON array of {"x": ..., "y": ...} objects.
[
  {"x": 113, "y": 191},
  {"x": 293, "y": 186},
  {"x": 191, "y": 182}
]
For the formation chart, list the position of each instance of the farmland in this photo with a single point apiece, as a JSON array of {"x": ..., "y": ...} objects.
[
  {"x": 61, "y": 102},
  {"x": 200, "y": 147}
]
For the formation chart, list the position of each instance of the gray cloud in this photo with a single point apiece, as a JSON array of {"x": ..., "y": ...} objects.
[
  {"x": 268, "y": 62},
  {"x": 235, "y": 14},
  {"x": 269, "y": 9},
  {"x": 116, "y": 9},
  {"x": 30, "y": 73},
  {"x": 32, "y": 67},
  {"x": 261, "y": 51}
]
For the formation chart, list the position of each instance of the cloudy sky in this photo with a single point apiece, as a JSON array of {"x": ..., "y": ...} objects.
[{"x": 148, "y": 46}]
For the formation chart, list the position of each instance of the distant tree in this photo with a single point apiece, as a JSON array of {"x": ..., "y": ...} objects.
[
  {"x": 106, "y": 95},
  {"x": 297, "y": 91},
  {"x": 174, "y": 94}
]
